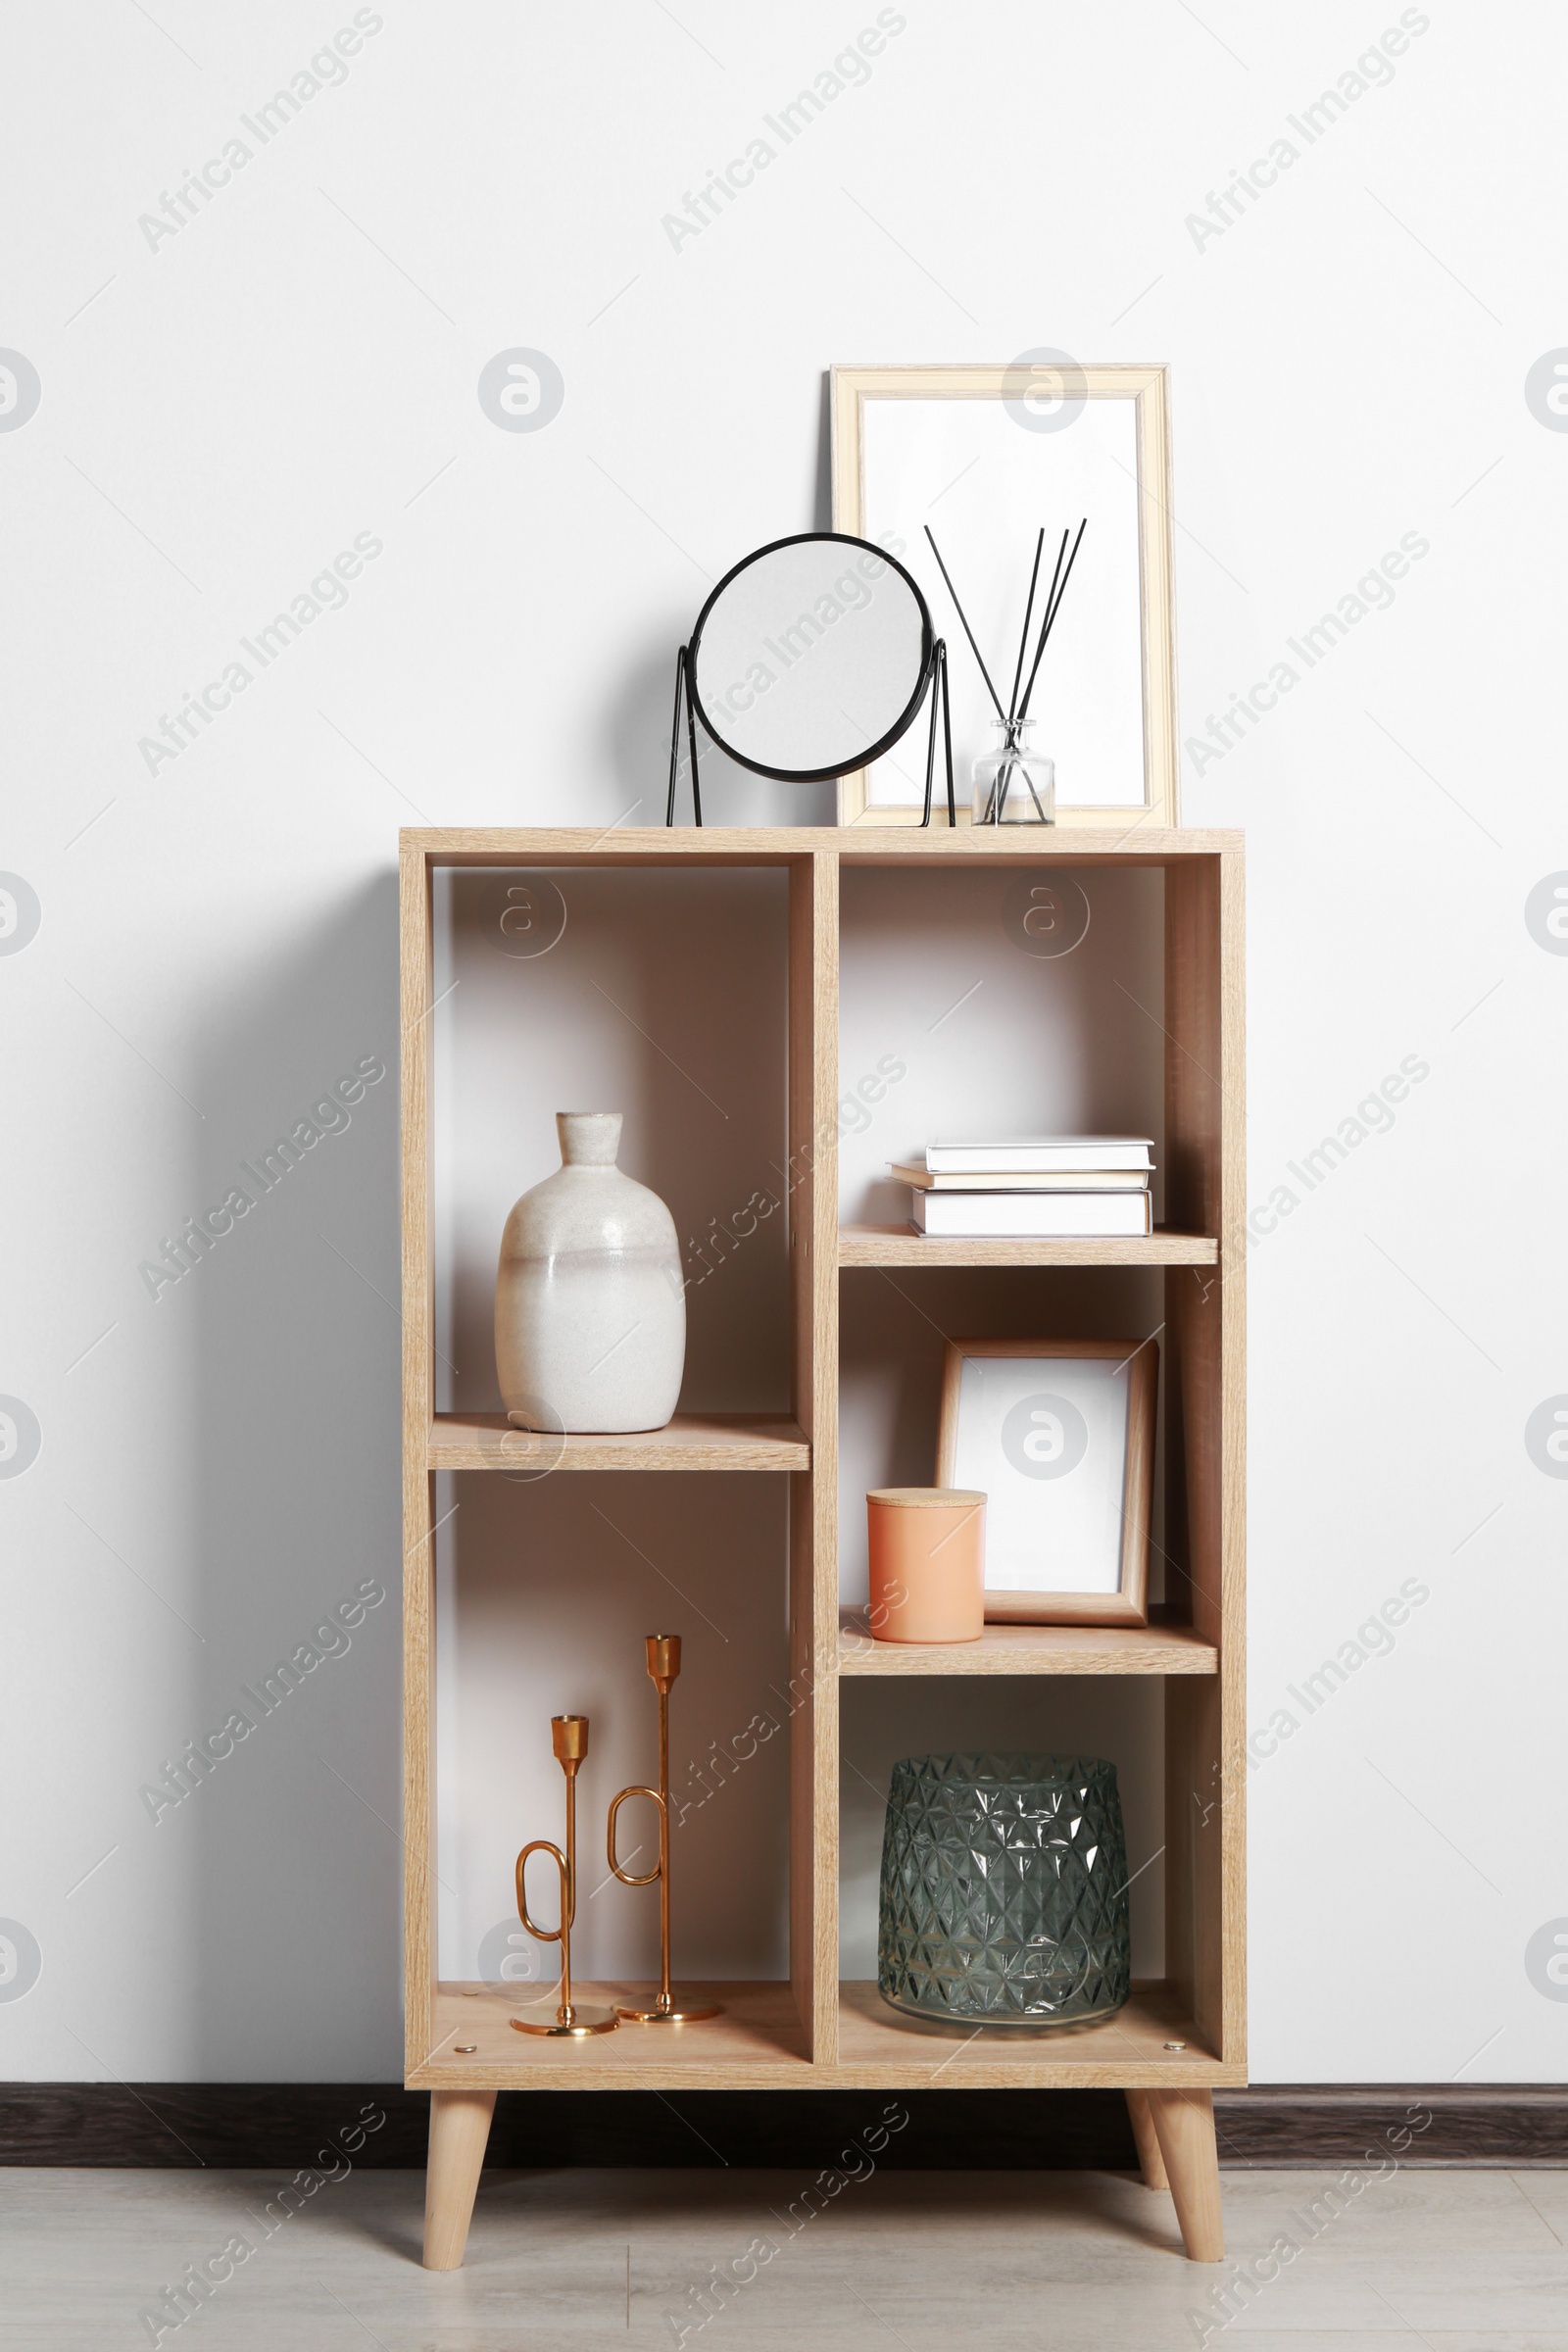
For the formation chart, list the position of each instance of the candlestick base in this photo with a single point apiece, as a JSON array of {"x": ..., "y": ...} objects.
[
  {"x": 581, "y": 2022},
  {"x": 679, "y": 2013}
]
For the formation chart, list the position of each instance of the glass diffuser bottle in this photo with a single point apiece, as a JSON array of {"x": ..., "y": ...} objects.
[{"x": 1015, "y": 784}]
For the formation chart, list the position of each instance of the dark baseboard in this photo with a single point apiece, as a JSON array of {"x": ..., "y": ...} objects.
[
  {"x": 293, "y": 2124},
  {"x": 1500, "y": 2123},
  {"x": 286, "y": 2124}
]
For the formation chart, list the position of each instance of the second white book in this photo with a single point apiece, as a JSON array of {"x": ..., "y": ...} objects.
[{"x": 1003, "y": 1216}]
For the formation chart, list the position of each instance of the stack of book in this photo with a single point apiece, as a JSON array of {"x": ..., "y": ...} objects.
[{"x": 1044, "y": 1186}]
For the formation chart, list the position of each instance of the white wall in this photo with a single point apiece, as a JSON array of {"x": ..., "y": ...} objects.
[{"x": 222, "y": 413}]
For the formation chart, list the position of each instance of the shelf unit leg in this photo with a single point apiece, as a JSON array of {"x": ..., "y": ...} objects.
[
  {"x": 459, "y": 2127},
  {"x": 1151, "y": 2161},
  {"x": 1184, "y": 2120}
]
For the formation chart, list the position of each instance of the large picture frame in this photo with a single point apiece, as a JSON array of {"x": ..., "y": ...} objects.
[
  {"x": 986, "y": 456},
  {"x": 1059, "y": 1437}
]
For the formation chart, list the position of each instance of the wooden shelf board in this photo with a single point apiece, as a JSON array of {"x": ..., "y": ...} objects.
[
  {"x": 690, "y": 1441},
  {"x": 1031, "y": 1650},
  {"x": 756, "y": 2044},
  {"x": 902, "y": 1246},
  {"x": 897, "y": 844},
  {"x": 877, "y": 2046}
]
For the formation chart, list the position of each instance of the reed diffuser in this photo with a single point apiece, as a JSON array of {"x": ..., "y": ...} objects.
[{"x": 1013, "y": 767}]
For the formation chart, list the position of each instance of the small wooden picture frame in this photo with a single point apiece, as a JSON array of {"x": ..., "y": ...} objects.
[{"x": 1059, "y": 1436}]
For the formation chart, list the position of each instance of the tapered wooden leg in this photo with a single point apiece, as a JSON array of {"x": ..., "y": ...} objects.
[
  {"x": 1184, "y": 2122},
  {"x": 1149, "y": 2159},
  {"x": 460, "y": 2126}
]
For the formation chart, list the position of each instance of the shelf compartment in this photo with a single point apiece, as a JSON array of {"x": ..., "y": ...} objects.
[
  {"x": 756, "y": 2044},
  {"x": 877, "y": 2046},
  {"x": 690, "y": 1441},
  {"x": 902, "y": 1246},
  {"x": 1030, "y": 1649}
]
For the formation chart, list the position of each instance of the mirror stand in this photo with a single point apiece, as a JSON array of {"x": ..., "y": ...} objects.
[
  {"x": 939, "y": 676},
  {"x": 935, "y": 678},
  {"x": 683, "y": 694}
]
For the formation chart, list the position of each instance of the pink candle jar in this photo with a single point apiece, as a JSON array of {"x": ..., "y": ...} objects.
[{"x": 929, "y": 1555}]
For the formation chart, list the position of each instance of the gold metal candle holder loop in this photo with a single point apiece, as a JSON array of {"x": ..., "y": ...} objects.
[
  {"x": 543, "y": 1845},
  {"x": 568, "y": 1737},
  {"x": 663, "y": 1665},
  {"x": 626, "y": 1877}
]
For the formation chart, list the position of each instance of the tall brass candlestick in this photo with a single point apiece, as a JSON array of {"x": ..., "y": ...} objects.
[
  {"x": 663, "y": 1665},
  {"x": 568, "y": 1736}
]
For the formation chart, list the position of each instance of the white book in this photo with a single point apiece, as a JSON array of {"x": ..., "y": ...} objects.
[
  {"x": 999, "y": 1216},
  {"x": 1051, "y": 1153},
  {"x": 1036, "y": 1180}
]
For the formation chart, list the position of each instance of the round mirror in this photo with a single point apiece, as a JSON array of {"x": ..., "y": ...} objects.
[{"x": 810, "y": 658}]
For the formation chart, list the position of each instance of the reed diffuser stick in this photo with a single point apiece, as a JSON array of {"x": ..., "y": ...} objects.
[
  {"x": 1013, "y": 719},
  {"x": 1051, "y": 609},
  {"x": 968, "y": 632},
  {"x": 1023, "y": 640},
  {"x": 998, "y": 802}
]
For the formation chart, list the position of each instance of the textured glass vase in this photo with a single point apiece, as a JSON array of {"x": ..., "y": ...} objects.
[{"x": 1004, "y": 1891}]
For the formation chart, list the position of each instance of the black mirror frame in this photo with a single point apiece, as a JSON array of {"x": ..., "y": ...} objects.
[{"x": 933, "y": 677}]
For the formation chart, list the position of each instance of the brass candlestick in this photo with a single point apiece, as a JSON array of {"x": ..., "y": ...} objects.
[
  {"x": 568, "y": 1736},
  {"x": 663, "y": 1665}
]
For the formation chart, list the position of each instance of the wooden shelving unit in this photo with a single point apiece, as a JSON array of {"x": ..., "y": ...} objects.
[{"x": 1175, "y": 2042}]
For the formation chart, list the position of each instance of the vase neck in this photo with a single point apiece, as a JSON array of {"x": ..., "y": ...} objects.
[{"x": 589, "y": 1139}]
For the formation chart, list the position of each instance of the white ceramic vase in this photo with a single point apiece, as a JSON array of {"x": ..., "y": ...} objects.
[{"x": 590, "y": 1305}]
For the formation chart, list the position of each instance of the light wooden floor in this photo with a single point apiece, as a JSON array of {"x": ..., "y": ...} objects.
[{"x": 1461, "y": 2262}]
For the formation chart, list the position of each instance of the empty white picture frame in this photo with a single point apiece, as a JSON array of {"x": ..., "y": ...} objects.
[
  {"x": 1059, "y": 1435},
  {"x": 986, "y": 456}
]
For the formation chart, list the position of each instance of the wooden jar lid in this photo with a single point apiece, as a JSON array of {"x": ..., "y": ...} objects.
[{"x": 915, "y": 1499}]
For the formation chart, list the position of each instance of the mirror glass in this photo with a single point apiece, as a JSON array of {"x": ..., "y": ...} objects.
[{"x": 811, "y": 657}]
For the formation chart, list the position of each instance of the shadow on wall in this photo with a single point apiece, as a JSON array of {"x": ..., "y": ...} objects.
[
  {"x": 293, "y": 1963},
  {"x": 292, "y": 1857}
]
